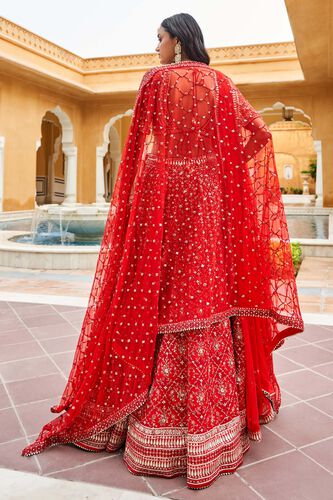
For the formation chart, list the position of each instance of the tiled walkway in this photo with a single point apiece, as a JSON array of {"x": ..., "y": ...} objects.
[
  {"x": 293, "y": 461},
  {"x": 314, "y": 284}
]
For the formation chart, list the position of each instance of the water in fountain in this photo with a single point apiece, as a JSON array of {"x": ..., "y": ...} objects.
[
  {"x": 49, "y": 230},
  {"x": 72, "y": 224}
]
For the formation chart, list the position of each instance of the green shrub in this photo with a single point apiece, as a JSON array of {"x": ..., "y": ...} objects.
[
  {"x": 312, "y": 171},
  {"x": 297, "y": 256},
  {"x": 294, "y": 190},
  {"x": 278, "y": 253},
  {"x": 291, "y": 190}
]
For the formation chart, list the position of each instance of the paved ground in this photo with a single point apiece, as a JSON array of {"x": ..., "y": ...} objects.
[
  {"x": 294, "y": 460},
  {"x": 315, "y": 285},
  {"x": 314, "y": 282}
]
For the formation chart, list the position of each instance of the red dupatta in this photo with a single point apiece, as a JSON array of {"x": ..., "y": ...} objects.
[{"x": 185, "y": 112}]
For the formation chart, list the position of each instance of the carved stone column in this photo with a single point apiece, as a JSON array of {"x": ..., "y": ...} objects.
[
  {"x": 100, "y": 187},
  {"x": 70, "y": 173}
]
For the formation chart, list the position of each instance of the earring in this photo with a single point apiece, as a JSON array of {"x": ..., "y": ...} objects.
[{"x": 178, "y": 51}]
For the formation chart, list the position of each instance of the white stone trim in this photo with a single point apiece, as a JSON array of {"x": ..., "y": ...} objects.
[
  {"x": 70, "y": 173},
  {"x": 100, "y": 153},
  {"x": 28, "y": 485}
]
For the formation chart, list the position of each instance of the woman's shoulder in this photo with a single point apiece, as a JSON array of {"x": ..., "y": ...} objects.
[
  {"x": 167, "y": 68},
  {"x": 150, "y": 73},
  {"x": 158, "y": 73}
]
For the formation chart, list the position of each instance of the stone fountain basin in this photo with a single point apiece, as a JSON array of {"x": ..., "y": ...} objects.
[
  {"x": 86, "y": 222},
  {"x": 27, "y": 256},
  {"x": 83, "y": 229}
]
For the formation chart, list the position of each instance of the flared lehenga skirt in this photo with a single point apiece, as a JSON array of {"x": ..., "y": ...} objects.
[{"x": 194, "y": 421}]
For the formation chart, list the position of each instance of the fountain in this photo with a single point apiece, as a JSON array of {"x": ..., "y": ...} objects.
[
  {"x": 61, "y": 237},
  {"x": 68, "y": 236},
  {"x": 67, "y": 225}
]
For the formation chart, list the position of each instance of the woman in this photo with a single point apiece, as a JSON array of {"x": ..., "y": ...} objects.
[{"x": 194, "y": 285}]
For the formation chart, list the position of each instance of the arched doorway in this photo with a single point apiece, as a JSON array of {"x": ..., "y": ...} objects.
[
  {"x": 56, "y": 166},
  {"x": 50, "y": 168},
  {"x": 296, "y": 151},
  {"x": 108, "y": 155}
]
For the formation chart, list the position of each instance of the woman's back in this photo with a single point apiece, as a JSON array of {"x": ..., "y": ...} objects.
[{"x": 185, "y": 118}]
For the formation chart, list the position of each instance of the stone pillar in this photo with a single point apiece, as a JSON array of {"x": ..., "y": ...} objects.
[
  {"x": 327, "y": 154},
  {"x": 70, "y": 174},
  {"x": 100, "y": 188},
  {"x": 319, "y": 176},
  {"x": 38, "y": 145},
  {"x": 2, "y": 170}
]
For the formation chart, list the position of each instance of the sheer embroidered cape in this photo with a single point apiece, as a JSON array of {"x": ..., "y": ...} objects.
[{"x": 192, "y": 131}]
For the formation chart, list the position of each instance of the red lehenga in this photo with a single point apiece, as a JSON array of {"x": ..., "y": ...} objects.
[{"x": 193, "y": 290}]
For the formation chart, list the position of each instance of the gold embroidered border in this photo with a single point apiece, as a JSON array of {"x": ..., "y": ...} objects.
[
  {"x": 40, "y": 444},
  {"x": 202, "y": 457},
  {"x": 197, "y": 323}
]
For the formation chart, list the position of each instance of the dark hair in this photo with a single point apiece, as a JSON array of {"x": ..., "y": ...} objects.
[{"x": 188, "y": 31}]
